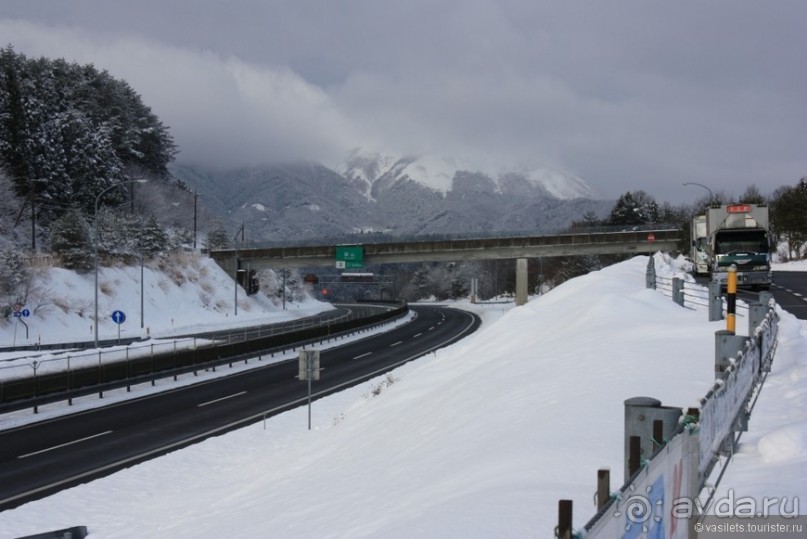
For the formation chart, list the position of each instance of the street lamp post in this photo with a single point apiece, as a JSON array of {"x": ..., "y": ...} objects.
[
  {"x": 142, "y": 302},
  {"x": 95, "y": 242},
  {"x": 235, "y": 272},
  {"x": 711, "y": 194}
]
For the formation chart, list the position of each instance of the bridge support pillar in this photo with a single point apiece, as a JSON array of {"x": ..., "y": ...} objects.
[{"x": 521, "y": 281}]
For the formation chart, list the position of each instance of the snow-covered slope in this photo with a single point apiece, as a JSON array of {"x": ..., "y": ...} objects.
[
  {"x": 188, "y": 291},
  {"x": 479, "y": 440},
  {"x": 379, "y": 171}
]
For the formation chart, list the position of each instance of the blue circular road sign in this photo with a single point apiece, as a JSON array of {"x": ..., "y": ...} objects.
[{"x": 118, "y": 317}]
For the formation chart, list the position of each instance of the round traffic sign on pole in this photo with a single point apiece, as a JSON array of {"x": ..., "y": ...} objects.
[{"x": 118, "y": 317}]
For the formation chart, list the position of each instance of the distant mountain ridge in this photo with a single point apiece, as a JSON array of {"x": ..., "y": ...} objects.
[
  {"x": 397, "y": 196},
  {"x": 380, "y": 171}
]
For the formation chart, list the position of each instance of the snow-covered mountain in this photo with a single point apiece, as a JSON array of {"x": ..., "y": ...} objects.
[
  {"x": 374, "y": 172},
  {"x": 395, "y": 195}
]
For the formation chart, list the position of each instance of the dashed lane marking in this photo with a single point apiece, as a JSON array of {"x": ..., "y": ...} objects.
[
  {"x": 64, "y": 444},
  {"x": 222, "y": 399}
]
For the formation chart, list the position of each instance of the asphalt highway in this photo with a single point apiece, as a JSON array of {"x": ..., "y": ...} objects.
[
  {"x": 43, "y": 458},
  {"x": 790, "y": 291}
]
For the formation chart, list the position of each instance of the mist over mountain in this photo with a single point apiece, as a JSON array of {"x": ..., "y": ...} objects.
[{"x": 373, "y": 193}]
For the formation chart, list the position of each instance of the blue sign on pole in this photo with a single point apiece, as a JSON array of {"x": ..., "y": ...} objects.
[
  {"x": 118, "y": 317},
  {"x": 26, "y": 313}
]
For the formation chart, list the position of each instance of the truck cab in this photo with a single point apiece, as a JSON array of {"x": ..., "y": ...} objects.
[{"x": 739, "y": 236}]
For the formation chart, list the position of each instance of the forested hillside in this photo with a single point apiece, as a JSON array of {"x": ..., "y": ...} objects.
[{"x": 67, "y": 132}]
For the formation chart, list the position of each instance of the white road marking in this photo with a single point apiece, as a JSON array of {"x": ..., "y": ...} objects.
[
  {"x": 431, "y": 328},
  {"x": 363, "y": 355},
  {"x": 417, "y": 335},
  {"x": 395, "y": 344},
  {"x": 64, "y": 445},
  {"x": 221, "y": 399}
]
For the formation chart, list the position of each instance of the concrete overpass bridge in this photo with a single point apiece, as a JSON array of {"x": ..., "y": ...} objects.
[{"x": 518, "y": 248}]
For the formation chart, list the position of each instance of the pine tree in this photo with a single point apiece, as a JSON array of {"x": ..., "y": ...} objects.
[
  {"x": 788, "y": 215},
  {"x": 217, "y": 237},
  {"x": 634, "y": 208},
  {"x": 14, "y": 273},
  {"x": 155, "y": 239},
  {"x": 70, "y": 240},
  {"x": 13, "y": 130},
  {"x": 67, "y": 132},
  {"x": 10, "y": 206}
]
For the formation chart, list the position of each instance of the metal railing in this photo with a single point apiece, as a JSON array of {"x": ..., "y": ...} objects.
[
  {"x": 37, "y": 380},
  {"x": 671, "y": 453}
]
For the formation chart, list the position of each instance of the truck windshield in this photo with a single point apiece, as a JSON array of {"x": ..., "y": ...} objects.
[{"x": 752, "y": 241}]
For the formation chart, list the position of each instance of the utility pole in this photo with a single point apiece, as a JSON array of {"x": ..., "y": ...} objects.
[
  {"x": 235, "y": 273},
  {"x": 195, "y": 198},
  {"x": 33, "y": 216}
]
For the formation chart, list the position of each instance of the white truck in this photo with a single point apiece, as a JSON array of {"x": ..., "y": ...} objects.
[
  {"x": 700, "y": 246},
  {"x": 739, "y": 235}
]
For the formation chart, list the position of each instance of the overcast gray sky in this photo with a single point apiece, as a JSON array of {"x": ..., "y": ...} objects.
[{"x": 627, "y": 94}]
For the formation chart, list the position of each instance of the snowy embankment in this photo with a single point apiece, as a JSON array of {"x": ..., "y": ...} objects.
[
  {"x": 190, "y": 293},
  {"x": 480, "y": 439}
]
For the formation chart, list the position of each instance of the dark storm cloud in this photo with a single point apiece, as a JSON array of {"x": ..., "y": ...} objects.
[{"x": 627, "y": 94}]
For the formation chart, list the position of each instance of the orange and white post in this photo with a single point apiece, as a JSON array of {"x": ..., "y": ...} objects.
[{"x": 731, "y": 300}]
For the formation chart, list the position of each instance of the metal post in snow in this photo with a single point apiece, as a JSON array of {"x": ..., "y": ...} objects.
[
  {"x": 715, "y": 302},
  {"x": 678, "y": 291},
  {"x": 727, "y": 346},
  {"x": 69, "y": 381},
  {"x": 310, "y": 375},
  {"x": 100, "y": 375},
  {"x": 603, "y": 487},
  {"x": 128, "y": 367},
  {"x": 564, "y": 529},
  {"x": 35, "y": 365},
  {"x": 731, "y": 300}
]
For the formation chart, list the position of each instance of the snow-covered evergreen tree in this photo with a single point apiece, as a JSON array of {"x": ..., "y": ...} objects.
[
  {"x": 10, "y": 205},
  {"x": 634, "y": 208},
  {"x": 155, "y": 239},
  {"x": 14, "y": 274},
  {"x": 218, "y": 237},
  {"x": 71, "y": 241},
  {"x": 68, "y": 131}
]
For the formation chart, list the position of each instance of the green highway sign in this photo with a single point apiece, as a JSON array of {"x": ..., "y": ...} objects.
[{"x": 349, "y": 256}]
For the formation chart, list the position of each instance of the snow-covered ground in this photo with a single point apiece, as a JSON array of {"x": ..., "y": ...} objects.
[
  {"x": 190, "y": 294},
  {"x": 795, "y": 265},
  {"x": 480, "y": 439}
]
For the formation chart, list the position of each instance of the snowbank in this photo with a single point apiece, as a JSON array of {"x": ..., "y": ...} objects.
[{"x": 479, "y": 440}]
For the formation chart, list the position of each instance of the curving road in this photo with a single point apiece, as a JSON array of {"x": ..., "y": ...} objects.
[
  {"x": 790, "y": 291},
  {"x": 39, "y": 459}
]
